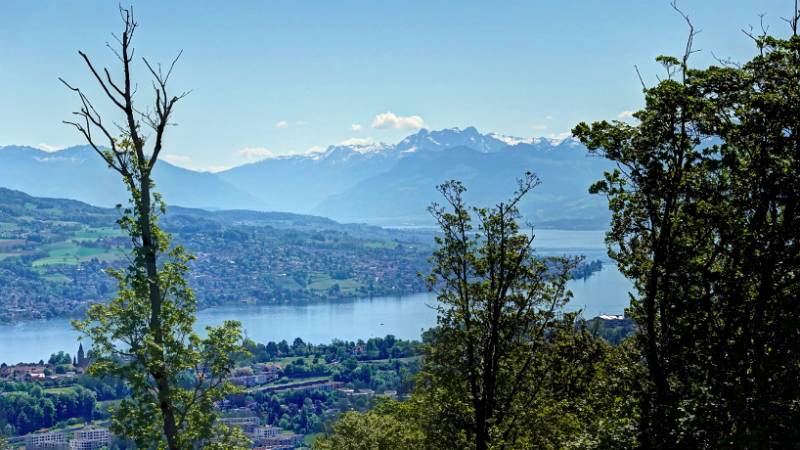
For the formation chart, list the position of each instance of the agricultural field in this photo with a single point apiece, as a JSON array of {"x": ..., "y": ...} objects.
[
  {"x": 324, "y": 282},
  {"x": 78, "y": 250}
]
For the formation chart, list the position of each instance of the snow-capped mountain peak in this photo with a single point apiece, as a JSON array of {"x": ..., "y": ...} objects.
[{"x": 513, "y": 140}]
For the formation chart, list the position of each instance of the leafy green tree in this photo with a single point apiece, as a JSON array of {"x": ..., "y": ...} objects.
[
  {"x": 608, "y": 408},
  {"x": 495, "y": 350},
  {"x": 144, "y": 335},
  {"x": 705, "y": 217},
  {"x": 59, "y": 358},
  {"x": 650, "y": 195},
  {"x": 272, "y": 349},
  {"x": 388, "y": 426},
  {"x": 751, "y": 398},
  {"x": 505, "y": 367}
]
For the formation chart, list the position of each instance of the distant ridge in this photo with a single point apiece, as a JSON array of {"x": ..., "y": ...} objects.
[
  {"x": 78, "y": 173},
  {"x": 386, "y": 184}
]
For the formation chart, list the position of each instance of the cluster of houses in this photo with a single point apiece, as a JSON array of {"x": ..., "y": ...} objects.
[
  {"x": 264, "y": 437},
  {"x": 268, "y": 374},
  {"x": 89, "y": 438},
  {"x": 367, "y": 392},
  {"x": 44, "y": 371},
  {"x": 304, "y": 386}
]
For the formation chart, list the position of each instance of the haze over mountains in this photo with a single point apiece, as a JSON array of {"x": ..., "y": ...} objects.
[{"x": 374, "y": 183}]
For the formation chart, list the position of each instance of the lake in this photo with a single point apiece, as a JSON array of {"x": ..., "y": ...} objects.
[{"x": 405, "y": 317}]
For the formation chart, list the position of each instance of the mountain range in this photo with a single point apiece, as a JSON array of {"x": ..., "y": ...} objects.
[{"x": 373, "y": 183}]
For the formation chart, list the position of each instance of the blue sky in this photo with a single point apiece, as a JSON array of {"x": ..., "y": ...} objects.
[{"x": 274, "y": 77}]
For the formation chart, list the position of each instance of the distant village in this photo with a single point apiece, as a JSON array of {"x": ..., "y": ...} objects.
[
  {"x": 327, "y": 380},
  {"x": 54, "y": 370}
]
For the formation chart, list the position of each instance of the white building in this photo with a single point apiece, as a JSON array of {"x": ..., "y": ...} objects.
[
  {"x": 90, "y": 439},
  {"x": 259, "y": 434},
  {"x": 247, "y": 423},
  {"x": 282, "y": 441},
  {"x": 50, "y": 441}
]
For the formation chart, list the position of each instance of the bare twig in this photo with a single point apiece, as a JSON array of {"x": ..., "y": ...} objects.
[
  {"x": 690, "y": 40},
  {"x": 726, "y": 62},
  {"x": 793, "y": 21},
  {"x": 639, "y": 74}
]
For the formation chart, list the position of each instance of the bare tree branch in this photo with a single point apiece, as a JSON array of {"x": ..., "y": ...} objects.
[
  {"x": 690, "y": 40},
  {"x": 793, "y": 21},
  {"x": 639, "y": 74}
]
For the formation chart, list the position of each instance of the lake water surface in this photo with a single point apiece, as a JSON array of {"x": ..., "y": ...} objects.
[{"x": 405, "y": 317}]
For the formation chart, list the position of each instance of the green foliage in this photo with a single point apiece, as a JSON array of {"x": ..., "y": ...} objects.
[
  {"x": 505, "y": 368},
  {"x": 59, "y": 358},
  {"x": 486, "y": 367},
  {"x": 615, "y": 332},
  {"x": 144, "y": 335},
  {"x": 386, "y": 427},
  {"x": 123, "y": 345},
  {"x": 25, "y": 407},
  {"x": 705, "y": 222}
]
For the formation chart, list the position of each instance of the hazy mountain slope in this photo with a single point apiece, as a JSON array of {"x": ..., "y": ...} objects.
[
  {"x": 77, "y": 173},
  {"x": 298, "y": 183},
  {"x": 373, "y": 183},
  {"x": 400, "y": 195},
  {"x": 393, "y": 184}
]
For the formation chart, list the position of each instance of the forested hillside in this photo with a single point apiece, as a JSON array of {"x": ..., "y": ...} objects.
[{"x": 53, "y": 252}]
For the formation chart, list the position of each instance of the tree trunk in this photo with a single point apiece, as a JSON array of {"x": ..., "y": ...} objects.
[{"x": 150, "y": 248}]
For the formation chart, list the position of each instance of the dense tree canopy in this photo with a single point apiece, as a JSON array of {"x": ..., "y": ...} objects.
[
  {"x": 505, "y": 367},
  {"x": 705, "y": 222},
  {"x": 26, "y": 407}
]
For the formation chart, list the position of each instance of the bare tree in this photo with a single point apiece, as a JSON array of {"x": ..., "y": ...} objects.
[{"x": 160, "y": 342}]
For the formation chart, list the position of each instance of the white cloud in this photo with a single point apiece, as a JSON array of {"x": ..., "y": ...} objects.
[
  {"x": 539, "y": 127},
  {"x": 300, "y": 123},
  {"x": 389, "y": 120},
  {"x": 358, "y": 141},
  {"x": 282, "y": 124},
  {"x": 356, "y": 127},
  {"x": 548, "y": 117},
  {"x": 49, "y": 148},
  {"x": 625, "y": 115},
  {"x": 176, "y": 159},
  {"x": 255, "y": 153},
  {"x": 314, "y": 149}
]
